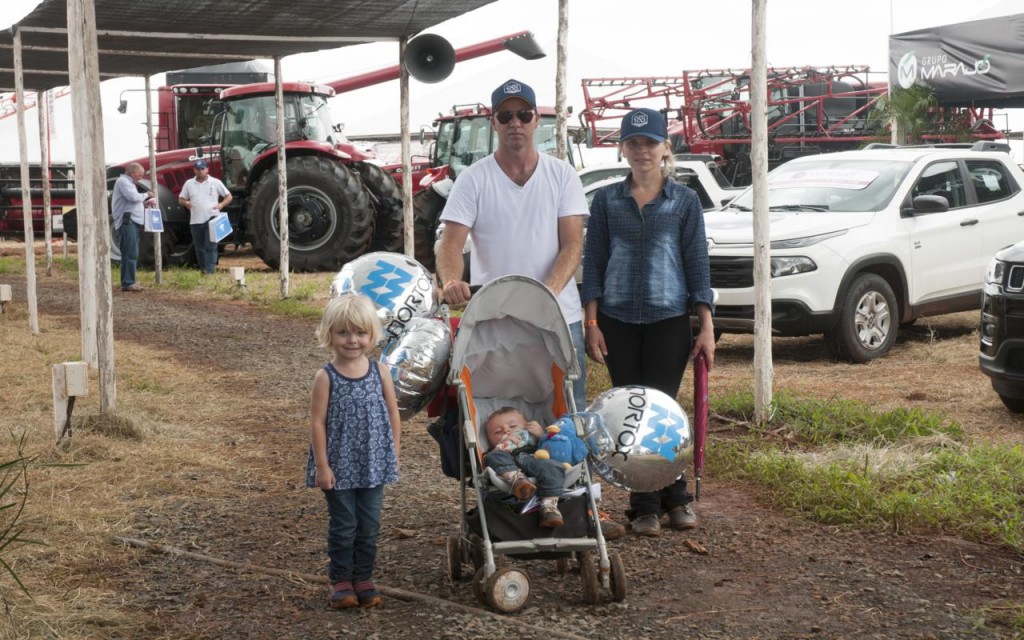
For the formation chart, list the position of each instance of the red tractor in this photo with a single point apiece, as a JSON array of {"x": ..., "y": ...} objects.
[
  {"x": 341, "y": 202},
  {"x": 810, "y": 111}
]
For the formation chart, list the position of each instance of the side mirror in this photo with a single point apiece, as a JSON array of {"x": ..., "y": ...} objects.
[
  {"x": 926, "y": 204},
  {"x": 122, "y": 107},
  {"x": 204, "y": 139}
]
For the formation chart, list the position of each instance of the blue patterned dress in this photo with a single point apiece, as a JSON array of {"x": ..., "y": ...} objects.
[{"x": 360, "y": 443}]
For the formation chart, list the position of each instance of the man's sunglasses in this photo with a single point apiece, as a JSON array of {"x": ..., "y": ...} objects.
[{"x": 504, "y": 117}]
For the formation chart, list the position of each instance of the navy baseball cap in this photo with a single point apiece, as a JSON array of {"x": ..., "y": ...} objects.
[
  {"x": 513, "y": 89},
  {"x": 201, "y": 164},
  {"x": 643, "y": 122}
]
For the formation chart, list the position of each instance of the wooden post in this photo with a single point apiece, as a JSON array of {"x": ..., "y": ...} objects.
[
  {"x": 763, "y": 368},
  {"x": 5, "y": 296},
  {"x": 408, "y": 232},
  {"x": 561, "y": 117},
  {"x": 26, "y": 192},
  {"x": 44, "y": 178},
  {"x": 91, "y": 196},
  {"x": 70, "y": 379},
  {"x": 154, "y": 186},
  {"x": 282, "y": 175}
]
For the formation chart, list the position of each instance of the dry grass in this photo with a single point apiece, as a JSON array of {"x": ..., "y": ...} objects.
[{"x": 113, "y": 468}]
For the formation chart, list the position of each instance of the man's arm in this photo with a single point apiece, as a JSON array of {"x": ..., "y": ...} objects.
[
  {"x": 570, "y": 252},
  {"x": 225, "y": 201},
  {"x": 449, "y": 263},
  {"x": 185, "y": 197}
]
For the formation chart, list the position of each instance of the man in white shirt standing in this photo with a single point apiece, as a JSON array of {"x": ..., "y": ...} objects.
[
  {"x": 205, "y": 196},
  {"x": 127, "y": 201}
]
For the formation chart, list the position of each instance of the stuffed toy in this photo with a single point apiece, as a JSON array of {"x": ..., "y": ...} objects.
[{"x": 562, "y": 444}]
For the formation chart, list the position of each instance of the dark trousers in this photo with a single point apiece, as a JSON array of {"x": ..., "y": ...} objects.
[
  {"x": 549, "y": 474},
  {"x": 352, "y": 532},
  {"x": 206, "y": 250},
  {"x": 652, "y": 355}
]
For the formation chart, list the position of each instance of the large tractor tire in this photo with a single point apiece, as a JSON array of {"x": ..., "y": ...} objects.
[
  {"x": 387, "y": 201},
  {"x": 330, "y": 218},
  {"x": 427, "y": 206}
]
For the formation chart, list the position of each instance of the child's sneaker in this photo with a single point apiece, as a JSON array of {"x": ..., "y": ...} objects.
[
  {"x": 550, "y": 516},
  {"x": 341, "y": 596},
  {"x": 523, "y": 489},
  {"x": 367, "y": 594}
]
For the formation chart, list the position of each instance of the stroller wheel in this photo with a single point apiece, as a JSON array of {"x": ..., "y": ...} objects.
[
  {"x": 562, "y": 565},
  {"x": 478, "y": 586},
  {"x": 455, "y": 557},
  {"x": 507, "y": 589},
  {"x": 618, "y": 577},
  {"x": 589, "y": 578}
]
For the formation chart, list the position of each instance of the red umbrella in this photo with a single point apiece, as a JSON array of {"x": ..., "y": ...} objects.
[{"x": 700, "y": 417}]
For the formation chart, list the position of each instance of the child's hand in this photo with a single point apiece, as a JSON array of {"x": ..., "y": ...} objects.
[
  {"x": 325, "y": 478},
  {"x": 535, "y": 430}
]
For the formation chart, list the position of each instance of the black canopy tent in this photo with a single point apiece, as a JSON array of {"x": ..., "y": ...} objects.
[
  {"x": 969, "y": 64},
  {"x": 146, "y": 37}
]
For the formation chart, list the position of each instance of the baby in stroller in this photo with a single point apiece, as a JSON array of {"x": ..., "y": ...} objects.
[{"x": 513, "y": 442}]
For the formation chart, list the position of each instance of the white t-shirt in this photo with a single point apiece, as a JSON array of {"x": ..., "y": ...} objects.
[
  {"x": 204, "y": 197},
  {"x": 515, "y": 229}
]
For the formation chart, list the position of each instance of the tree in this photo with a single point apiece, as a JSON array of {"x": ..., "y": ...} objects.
[{"x": 911, "y": 110}]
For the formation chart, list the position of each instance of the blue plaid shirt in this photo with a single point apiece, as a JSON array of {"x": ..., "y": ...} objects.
[{"x": 650, "y": 265}]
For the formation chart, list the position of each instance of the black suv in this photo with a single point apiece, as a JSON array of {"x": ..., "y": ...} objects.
[{"x": 1002, "y": 326}]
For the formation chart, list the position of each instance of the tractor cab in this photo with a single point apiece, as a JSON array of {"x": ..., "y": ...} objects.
[{"x": 250, "y": 124}]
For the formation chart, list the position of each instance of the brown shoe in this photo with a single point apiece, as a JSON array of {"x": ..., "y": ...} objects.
[
  {"x": 648, "y": 525},
  {"x": 132, "y": 287},
  {"x": 523, "y": 489},
  {"x": 610, "y": 529},
  {"x": 550, "y": 517},
  {"x": 681, "y": 518},
  {"x": 341, "y": 596}
]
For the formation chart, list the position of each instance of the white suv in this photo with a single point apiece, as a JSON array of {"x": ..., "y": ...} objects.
[{"x": 864, "y": 241}]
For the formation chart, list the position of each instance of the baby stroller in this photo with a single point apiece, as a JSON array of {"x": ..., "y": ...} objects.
[{"x": 513, "y": 348}]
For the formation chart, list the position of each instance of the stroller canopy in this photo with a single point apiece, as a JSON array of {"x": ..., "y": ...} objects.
[{"x": 510, "y": 340}]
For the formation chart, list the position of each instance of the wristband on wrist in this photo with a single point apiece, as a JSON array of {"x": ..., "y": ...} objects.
[{"x": 590, "y": 323}]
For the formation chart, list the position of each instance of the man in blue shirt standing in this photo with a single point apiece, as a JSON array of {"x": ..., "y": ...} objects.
[{"x": 129, "y": 216}]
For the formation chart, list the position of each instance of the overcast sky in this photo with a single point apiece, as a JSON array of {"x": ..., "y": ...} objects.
[{"x": 607, "y": 38}]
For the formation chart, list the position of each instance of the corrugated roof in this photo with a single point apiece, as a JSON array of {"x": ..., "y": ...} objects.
[{"x": 191, "y": 33}]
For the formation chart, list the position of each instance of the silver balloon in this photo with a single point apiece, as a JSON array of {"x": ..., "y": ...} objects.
[
  {"x": 399, "y": 287},
  {"x": 418, "y": 360},
  {"x": 639, "y": 438}
]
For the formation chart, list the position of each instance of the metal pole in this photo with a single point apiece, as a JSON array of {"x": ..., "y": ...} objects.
[
  {"x": 763, "y": 368},
  {"x": 282, "y": 177}
]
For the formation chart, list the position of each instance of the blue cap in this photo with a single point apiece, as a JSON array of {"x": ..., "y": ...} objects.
[
  {"x": 201, "y": 164},
  {"x": 513, "y": 89},
  {"x": 643, "y": 122}
]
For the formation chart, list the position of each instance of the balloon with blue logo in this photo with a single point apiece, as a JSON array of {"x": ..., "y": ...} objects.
[
  {"x": 399, "y": 287},
  {"x": 639, "y": 438},
  {"x": 418, "y": 361}
]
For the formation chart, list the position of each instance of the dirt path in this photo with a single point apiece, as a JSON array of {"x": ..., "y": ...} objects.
[{"x": 765, "y": 576}]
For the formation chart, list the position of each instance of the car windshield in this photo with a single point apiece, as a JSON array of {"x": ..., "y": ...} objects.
[{"x": 830, "y": 185}]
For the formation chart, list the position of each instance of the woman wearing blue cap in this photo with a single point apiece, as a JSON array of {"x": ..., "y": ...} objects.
[{"x": 645, "y": 271}]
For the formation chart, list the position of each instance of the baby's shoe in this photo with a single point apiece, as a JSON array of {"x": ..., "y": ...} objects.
[
  {"x": 550, "y": 516},
  {"x": 341, "y": 596},
  {"x": 522, "y": 488},
  {"x": 368, "y": 595}
]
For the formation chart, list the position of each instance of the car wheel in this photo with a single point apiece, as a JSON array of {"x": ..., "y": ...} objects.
[
  {"x": 1015, "y": 405},
  {"x": 866, "y": 327}
]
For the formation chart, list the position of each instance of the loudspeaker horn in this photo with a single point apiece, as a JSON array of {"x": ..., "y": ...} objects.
[{"x": 429, "y": 58}]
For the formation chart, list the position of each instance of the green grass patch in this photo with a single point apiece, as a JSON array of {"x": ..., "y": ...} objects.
[{"x": 841, "y": 463}]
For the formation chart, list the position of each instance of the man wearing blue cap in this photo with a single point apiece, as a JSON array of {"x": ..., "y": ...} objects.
[
  {"x": 205, "y": 197},
  {"x": 524, "y": 211}
]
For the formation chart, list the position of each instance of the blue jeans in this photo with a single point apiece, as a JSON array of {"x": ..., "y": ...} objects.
[
  {"x": 128, "y": 243},
  {"x": 352, "y": 532},
  {"x": 579, "y": 387},
  {"x": 549, "y": 474},
  {"x": 206, "y": 251}
]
